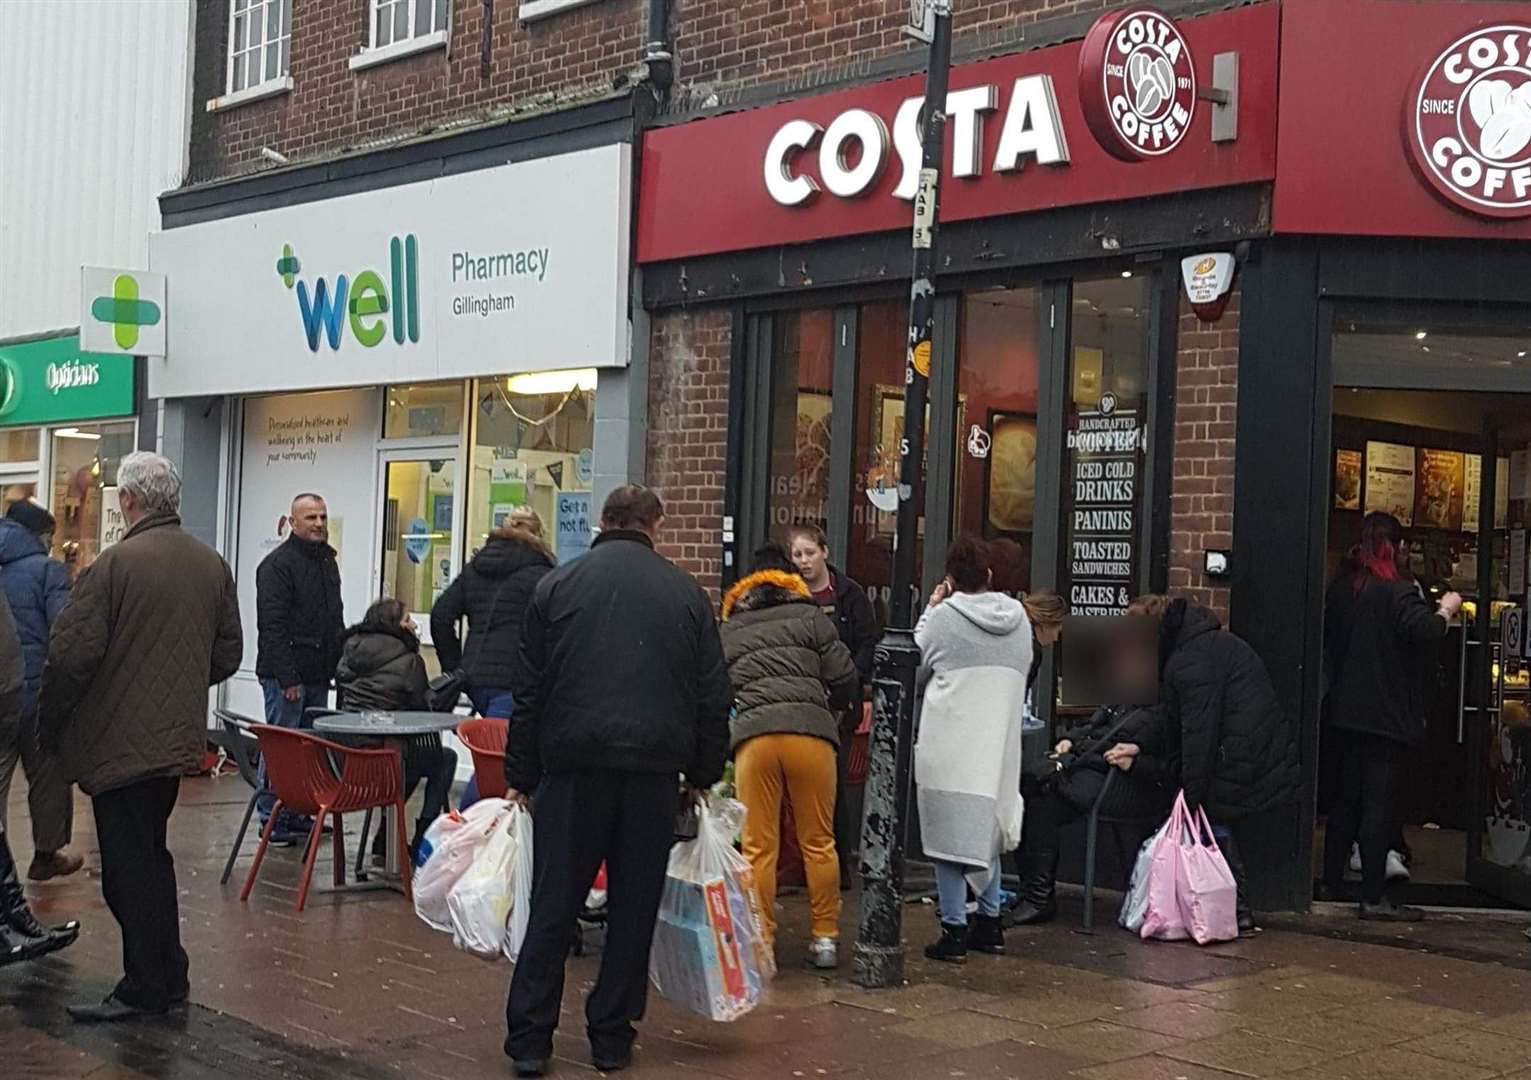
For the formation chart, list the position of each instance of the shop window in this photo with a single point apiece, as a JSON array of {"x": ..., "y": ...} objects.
[
  {"x": 84, "y": 470},
  {"x": 260, "y": 32},
  {"x": 802, "y": 380},
  {"x": 19, "y": 445},
  {"x": 422, "y": 410},
  {"x": 1104, "y": 500},
  {"x": 533, "y": 444},
  {"x": 997, "y": 385}
]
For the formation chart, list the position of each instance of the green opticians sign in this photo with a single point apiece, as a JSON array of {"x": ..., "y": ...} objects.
[{"x": 52, "y": 381}]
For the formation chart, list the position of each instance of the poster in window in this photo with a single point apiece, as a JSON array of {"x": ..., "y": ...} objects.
[
  {"x": 1390, "y": 480},
  {"x": 1439, "y": 489},
  {"x": 882, "y": 477},
  {"x": 1011, "y": 488},
  {"x": 807, "y": 490},
  {"x": 1347, "y": 479},
  {"x": 1502, "y": 494}
]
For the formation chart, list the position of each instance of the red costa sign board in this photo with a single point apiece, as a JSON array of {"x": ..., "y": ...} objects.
[
  {"x": 1469, "y": 123},
  {"x": 1137, "y": 84},
  {"x": 845, "y": 164},
  {"x": 1351, "y": 130}
]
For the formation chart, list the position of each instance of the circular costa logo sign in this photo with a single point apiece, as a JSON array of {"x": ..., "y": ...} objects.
[
  {"x": 1468, "y": 122},
  {"x": 1137, "y": 84}
]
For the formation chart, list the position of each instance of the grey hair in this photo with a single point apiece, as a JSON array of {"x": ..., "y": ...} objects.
[{"x": 152, "y": 480}]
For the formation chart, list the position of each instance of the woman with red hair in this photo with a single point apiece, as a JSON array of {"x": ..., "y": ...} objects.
[{"x": 1380, "y": 633}]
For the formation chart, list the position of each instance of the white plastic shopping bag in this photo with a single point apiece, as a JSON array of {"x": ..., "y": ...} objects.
[
  {"x": 520, "y": 885},
  {"x": 449, "y": 848},
  {"x": 1135, "y": 906},
  {"x": 480, "y": 902},
  {"x": 710, "y": 954}
]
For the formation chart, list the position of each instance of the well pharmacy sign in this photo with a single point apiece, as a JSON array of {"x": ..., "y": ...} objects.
[
  {"x": 122, "y": 311},
  {"x": 53, "y": 381}
]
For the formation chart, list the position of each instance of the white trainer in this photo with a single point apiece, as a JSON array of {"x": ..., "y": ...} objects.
[
  {"x": 1397, "y": 869},
  {"x": 823, "y": 954}
]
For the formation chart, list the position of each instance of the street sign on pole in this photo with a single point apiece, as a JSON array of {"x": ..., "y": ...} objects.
[{"x": 922, "y": 19}]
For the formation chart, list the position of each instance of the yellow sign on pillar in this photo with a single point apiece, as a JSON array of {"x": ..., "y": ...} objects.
[{"x": 920, "y": 358}]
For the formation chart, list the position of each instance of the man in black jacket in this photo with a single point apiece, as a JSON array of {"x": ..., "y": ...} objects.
[
  {"x": 299, "y": 620},
  {"x": 620, "y": 687}
]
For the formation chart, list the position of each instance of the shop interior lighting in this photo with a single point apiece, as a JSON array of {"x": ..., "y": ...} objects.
[
  {"x": 551, "y": 382},
  {"x": 1126, "y": 273},
  {"x": 1521, "y": 354},
  {"x": 1420, "y": 335},
  {"x": 75, "y": 433}
]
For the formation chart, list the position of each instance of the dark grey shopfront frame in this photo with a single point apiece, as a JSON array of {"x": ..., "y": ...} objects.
[{"x": 1294, "y": 290}]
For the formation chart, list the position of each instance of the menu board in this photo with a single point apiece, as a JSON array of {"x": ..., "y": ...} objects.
[
  {"x": 1439, "y": 489},
  {"x": 1104, "y": 465},
  {"x": 1472, "y": 492},
  {"x": 1390, "y": 480},
  {"x": 1347, "y": 479}
]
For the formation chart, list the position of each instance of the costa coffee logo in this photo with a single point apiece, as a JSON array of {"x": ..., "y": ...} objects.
[
  {"x": 1468, "y": 123},
  {"x": 1137, "y": 84}
]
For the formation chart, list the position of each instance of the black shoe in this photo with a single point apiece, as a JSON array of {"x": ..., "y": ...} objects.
[
  {"x": 1387, "y": 911},
  {"x": 612, "y": 1062},
  {"x": 10, "y": 951},
  {"x": 111, "y": 1011},
  {"x": 531, "y": 1067},
  {"x": 952, "y": 948},
  {"x": 1246, "y": 916},
  {"x": 21, "y": 928},
  {"x": 1038, "y": 902},
  {"x": 987, "y": 935}
]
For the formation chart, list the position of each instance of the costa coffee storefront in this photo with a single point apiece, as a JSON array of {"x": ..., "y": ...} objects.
[{"x": 1084, "y": 412}]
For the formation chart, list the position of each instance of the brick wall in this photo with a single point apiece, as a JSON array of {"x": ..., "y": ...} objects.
[
  {"x": 721, "y": 46},
  {"x": 688, "y": 435},
  {"x": 1201, "y": 500}
]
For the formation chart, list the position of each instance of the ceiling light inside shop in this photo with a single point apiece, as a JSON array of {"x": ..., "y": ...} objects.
[
  {"x": 551, "y": 382},
  {"x": 1420, "y": 335},
  {"x": 75, "y": 433},
  {"x": 1126, "y": 273},
  {"x": 1521, "y": 354}
]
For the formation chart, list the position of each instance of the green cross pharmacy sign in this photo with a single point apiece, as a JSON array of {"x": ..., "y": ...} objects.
[
  {"x": 53, "y": 382},
  {"x": 122, "y": 311}
]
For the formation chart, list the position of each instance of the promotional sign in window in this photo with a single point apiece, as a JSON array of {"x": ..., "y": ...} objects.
[
  {"x": 1104, "y": 464},
  {"x": 45, "y": 382}
]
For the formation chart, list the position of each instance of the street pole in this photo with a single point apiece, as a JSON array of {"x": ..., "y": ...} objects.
[{"x": 879, "y": 940}]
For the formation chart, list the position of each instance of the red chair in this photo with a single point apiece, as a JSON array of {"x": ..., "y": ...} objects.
[
  {"x": 300, "y": 772},
  {"x": 485, "y": 739}
]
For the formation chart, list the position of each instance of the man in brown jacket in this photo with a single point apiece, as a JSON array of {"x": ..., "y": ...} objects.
[{"x": 151, "y": 625}]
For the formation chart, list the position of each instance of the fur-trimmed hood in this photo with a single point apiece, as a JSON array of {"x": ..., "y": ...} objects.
[{"x": 764, "y": 589}]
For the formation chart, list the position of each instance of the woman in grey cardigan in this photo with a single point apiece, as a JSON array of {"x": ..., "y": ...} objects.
[{"x": 967, "y": 758}]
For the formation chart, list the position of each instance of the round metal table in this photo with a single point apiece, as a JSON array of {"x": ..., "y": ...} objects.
[{"x": 394, "y": 729}]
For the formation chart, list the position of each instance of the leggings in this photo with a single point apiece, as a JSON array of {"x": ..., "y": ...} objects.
[{"x": 1365, "y": 811}]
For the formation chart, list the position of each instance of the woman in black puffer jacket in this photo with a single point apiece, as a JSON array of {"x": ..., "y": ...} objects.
[
  {"x": 492, "y": 592},
  {"x": 381, "y": 670}
]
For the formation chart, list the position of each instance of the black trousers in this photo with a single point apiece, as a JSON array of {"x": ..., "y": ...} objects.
[
  {"x": 847, "y": 828},
  {"x": 580, "y": 819},
  {"x": 1364, "y": 810},
  {"x": 138, "y": 880},
  {"x": 1048, "y": 814}
]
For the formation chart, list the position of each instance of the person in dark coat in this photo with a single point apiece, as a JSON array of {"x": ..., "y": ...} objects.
[
  {"x": 791, "y": 675},
  {"x": 381, "y": 670},
  {"x": 299, "y": 620},
  {"x": 37, "y": 588},
  {"x": 1381, "y": 635},
  {"x": 620, "y": 688},
  {"x": 1130, "y": 738},
  {"x": 1237, "y": 747},
  {"x": 846, "y": 603},
  {"x": 492, "y": 592},
  {"x": 22, "y": 937}
]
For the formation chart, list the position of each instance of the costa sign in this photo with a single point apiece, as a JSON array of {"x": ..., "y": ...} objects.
[
  {"x": 1468, "y": 122},
  {"x": 852, "y": 153},
  {"x": 1137, "y": 83}
]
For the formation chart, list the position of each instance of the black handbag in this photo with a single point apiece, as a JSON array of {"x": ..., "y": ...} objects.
[
  {"x": 1046, "y": 774},
  {"x": 442, "y": 692}
]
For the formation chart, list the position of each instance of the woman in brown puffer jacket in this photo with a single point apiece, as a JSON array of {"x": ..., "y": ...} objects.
[{"x": 791, "y": 675}]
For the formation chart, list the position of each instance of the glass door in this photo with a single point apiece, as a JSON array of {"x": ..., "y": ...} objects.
[
  {"x": 421, "y": 533},
  {"x": 1499, "y": 830}
]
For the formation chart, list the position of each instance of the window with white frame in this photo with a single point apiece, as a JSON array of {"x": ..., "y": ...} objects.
[
  {"x": 259, "y": 34},
  {"x": 397, "y": 21}
]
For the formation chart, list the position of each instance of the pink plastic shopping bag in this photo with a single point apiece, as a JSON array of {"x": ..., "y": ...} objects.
[
  {"x": 1163, "y": 918},
  {"x": 1207, "y": 890}
]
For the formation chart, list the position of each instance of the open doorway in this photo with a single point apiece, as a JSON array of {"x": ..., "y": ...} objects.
[{"x": 1454, "y": 466}]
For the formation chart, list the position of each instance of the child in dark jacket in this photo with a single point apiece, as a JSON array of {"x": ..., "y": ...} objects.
[{"x": 381, "y": 670}]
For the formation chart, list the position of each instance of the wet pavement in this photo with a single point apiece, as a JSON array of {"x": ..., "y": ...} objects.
[{"x": 357, "y": 987}]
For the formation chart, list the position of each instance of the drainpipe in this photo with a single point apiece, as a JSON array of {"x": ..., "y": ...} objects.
[{"x": 656, "y": 50}]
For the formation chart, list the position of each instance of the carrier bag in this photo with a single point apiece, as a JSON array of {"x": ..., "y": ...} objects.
[
  {"x": 480, "y": 902},
  {"x": 448, "y": 849},
  {"x": 520, "y": 884},
  {"x": 1205, "y": 885},
  {"x": 1135, "y": 905},
  {"x": 710, "y": 954},
  {"x": 1162, "y": 917}
]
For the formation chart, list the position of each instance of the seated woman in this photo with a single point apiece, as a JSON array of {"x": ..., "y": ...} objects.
[
  {"x": 967, "y": 757},
  {"x": 1130, "y": 738},
  {"x": 381, "y": 670}
]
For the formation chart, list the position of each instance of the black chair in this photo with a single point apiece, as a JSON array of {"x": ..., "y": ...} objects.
[
  {"x": 242, "y": 746},
  {"x": 1092, "y": 831}
]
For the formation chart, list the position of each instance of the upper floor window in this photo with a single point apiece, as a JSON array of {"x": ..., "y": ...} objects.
[
  {"x": 396, "y": 21},
  {"x": 259, "y": 33}
]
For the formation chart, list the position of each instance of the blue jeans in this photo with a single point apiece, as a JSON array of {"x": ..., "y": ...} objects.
[
  {"x": 491, "y": 701},
  {"x": 952, "y": 892},
  {"x": 287, "y": 714}
]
